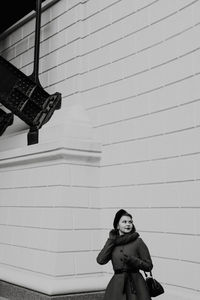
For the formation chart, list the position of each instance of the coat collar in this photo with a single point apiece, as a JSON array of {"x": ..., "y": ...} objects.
[{"x": 124, "y": 239}]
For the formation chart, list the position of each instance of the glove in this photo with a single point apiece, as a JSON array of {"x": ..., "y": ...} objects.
[
  {"x": 126, "y": 259},
  {"x": 113, "y": 235},
  {"x": 138, "y": 263},
  {"x": 132, "y": 260}
]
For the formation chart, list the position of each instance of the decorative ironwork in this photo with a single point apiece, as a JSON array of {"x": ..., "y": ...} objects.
[
  {"x": 6, "y": 119},
  {"x": 23, "y": 95}
]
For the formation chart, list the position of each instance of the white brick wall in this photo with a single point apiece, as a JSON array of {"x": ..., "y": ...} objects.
[
  {"x": 144, "y": 106},
  {"x": 49, "y": 217},
  {"x": 134, "y": 65}
]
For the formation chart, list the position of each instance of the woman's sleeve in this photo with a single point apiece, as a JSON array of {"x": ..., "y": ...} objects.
[
  {"x": 106, "y": 253},
  {"x": 143, "y": 261}
]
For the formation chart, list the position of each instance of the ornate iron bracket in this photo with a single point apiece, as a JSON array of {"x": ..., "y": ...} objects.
[{"x": 23, "y": 95}]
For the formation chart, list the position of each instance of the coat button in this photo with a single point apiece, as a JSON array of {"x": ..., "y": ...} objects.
[
  {"x": 121, "y": 259},
  {"x": 121, "y": 250}
]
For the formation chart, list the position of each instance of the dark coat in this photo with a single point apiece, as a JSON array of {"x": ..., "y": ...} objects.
[{"x": 129, "y": 254}]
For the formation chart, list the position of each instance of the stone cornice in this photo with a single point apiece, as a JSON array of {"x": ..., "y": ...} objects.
[{"x": 83, "y": 151}]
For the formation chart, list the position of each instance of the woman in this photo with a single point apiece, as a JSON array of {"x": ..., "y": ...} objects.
[{"x": 129, "y": 254}]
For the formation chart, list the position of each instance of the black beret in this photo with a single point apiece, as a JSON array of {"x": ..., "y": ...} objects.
[{"x": 118, "y": 216}]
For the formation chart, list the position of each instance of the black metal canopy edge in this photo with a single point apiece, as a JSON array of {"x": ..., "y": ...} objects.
[
  {"x": 12, "y": 11},
  {"x": 21, "y": 20}
]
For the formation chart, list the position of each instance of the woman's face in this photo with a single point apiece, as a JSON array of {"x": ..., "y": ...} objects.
[{"x": 125, "y": 225}]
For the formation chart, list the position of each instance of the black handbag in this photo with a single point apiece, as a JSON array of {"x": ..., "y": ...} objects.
[{"x": 154, "y": 287}]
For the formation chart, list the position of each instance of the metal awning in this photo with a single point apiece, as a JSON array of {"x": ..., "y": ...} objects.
[{"x": 13, "y": 11}]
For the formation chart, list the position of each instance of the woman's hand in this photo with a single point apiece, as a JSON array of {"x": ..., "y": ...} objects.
[
  {"x": 138, "y": 263},
  {"x": 113, "y": 234},
  {"x": 126, "y": 259},
  {"x": 132, "y": 260}
]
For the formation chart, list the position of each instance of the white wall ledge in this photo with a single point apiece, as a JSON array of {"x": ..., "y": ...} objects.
[
  {"x": 51, "y": 152},
  {"x": 54, "y": 286}
]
